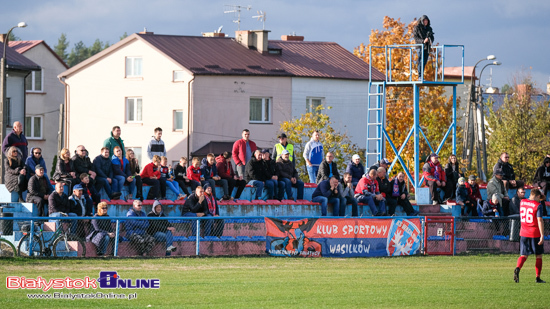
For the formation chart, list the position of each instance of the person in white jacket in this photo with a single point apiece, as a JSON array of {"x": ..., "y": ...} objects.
[{"x": 313, "y": 154}]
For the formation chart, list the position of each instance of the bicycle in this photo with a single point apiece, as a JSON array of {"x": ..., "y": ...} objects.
[{"x": 58, "y": 244}]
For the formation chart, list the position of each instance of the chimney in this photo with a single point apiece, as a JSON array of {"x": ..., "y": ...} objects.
[
  {"x": 213, "y": 35},
  {"x": 145, "y": 31},
  {"x": 2, "y": 37},
  {"x": 296, "y": 38},
  {"x": 253, "y": 39}
]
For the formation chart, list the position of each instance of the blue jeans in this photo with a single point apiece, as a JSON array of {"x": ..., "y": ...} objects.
[
  {"x": 73, "y": 222},
  {"x": 103, "y": 244},
  {"x": 353, "y": 202},
  {"x": 131, "y": 186},
  {"x": 103, "y": 183},
  {"x": 173, "y": 186},
  {"x": 369, "y": 199},
  {"x": 117, "y": 183},
  {"x": 164, "y": 237},
  {"x": 312, "y": 172},
  {"x": 335, "y": 201},
  {"x": 271, "y": 187},
  {"x": 205, "y": 224},
  {"x": 288, "y": 187}
]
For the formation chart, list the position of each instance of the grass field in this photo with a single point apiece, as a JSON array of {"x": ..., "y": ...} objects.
[{"x": 266, "y": 282}]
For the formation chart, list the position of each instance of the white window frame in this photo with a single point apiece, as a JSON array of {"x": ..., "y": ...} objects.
[
  {"x": 29, "y": 133},
  {"x": 135, "y": 103},
  {"x": 32, "y": 76},
  {"x": 309, "y": 103},
  {"x": 178, "y": 79},
  {"x": 130, "y": 68},
  {"x": 267, "y": 105},
  {"x": 174, "y": 119}
]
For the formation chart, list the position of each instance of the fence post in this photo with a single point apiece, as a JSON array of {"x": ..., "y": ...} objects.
[
  {"x": 31, "y": 237},
  {"x": 115, "y": 249},
  {"x": 198, "y": 242}
]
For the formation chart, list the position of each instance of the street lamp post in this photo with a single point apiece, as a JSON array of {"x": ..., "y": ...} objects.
[
  {"x": 482, "y": 118},
  {"x": 468, "y": 141},
  {"x": 3, "y": 119}
]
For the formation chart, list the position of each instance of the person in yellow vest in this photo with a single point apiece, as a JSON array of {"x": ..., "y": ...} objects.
[{"x": 283, "y": 145}]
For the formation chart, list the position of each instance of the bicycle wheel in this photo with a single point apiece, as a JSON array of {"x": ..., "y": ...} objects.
[
  {"x": 62, "y": 246},
  {"x": 23, "y": 247},
  {"x": 7, "y": 249}
]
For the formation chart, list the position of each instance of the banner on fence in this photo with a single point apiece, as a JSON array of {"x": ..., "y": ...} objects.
[{"x": 349, "y": 237}]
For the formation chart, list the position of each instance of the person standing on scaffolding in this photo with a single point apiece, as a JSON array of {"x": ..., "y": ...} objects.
[{"x": 423, "y": 34}]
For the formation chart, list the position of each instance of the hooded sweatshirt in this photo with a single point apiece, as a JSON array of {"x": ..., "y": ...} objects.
[
  {"x": 156, "y": 147},
  {"x": 225, "y": 170},
  {"x": 314, "y": 152},
  {"x": 543, "y": 172},
  {"x": 157, "y": 225}
]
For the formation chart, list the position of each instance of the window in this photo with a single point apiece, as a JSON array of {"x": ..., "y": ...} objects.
[
  {"x": 260, "y": 110},
  {"x": 33, "y": 127},
  {"x": 34, "y": 81},
  {"x": 312, "y": 104},
  {"x": 133, "y": 66},
  {"x": 133, "y": 110},
  {"x": 178, "y": 120},
  {"x": 179, "y": 76}
]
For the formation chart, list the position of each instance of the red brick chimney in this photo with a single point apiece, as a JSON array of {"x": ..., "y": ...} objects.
[{"x": 292, "y": 38}]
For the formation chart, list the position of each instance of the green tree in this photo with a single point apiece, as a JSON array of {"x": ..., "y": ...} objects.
[
  {"x": 13, "y": 38},
  {"x": 96, "y": 47},
  {"x": 61, "y": 47},
  {"x": 299, "y": 132},
  {"x": 78, "y": 54},
  {"x": 521, "y": 127},
  {"x": 122, "y": 37}
]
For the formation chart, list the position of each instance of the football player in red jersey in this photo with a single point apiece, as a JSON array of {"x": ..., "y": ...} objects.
[{"x": 532, "y": 232}]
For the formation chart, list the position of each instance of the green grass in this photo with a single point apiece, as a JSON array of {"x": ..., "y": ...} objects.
[{"x": 437, "y": 282}]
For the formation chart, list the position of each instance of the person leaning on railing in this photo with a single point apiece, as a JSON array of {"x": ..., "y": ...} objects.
[{"x": 102, "y": 231}]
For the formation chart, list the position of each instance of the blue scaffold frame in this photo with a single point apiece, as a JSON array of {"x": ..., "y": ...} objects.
[{"x": 376, "y": 109}]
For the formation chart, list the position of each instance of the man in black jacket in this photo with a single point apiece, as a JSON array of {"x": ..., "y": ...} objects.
[
  {"x": 423, "y": 34},
  {"x": 288, "y": 175},
  {"x": 256, "y": 175},
  {"x": 509, "y": 177},
  {"x": 327, "y": 169},
  {"x": 197, "y": 206},
  {"x": 104, "y": 168},
  {"x": 58, "y": 204},
  {"x": 82, "y": 163},
  {"x": 516, "y": 201},
  {"x": 386, "y": 190},
  {"x": 39, "y": 190}
]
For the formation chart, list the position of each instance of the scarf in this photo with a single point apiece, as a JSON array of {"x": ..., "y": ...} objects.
[
  {"x": 211, "y": 203},
  {"x": 437, "y": 170},
  {"x": 395, "y": 190}
]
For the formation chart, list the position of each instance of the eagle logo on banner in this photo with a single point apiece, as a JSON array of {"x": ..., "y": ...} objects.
[{"x": 403, "y": 238}]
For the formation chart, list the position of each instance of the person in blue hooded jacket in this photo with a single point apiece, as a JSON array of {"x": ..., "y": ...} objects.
[
  {"x": 104, "y": 170},
  {"x": 136, "y": 230},
  {"x": 210, "y": 174},
  {"x": 313, "y": 154}
]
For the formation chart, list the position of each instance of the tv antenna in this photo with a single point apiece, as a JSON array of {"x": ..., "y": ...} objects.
[
  {"x": 261, "y": 17},
  {"x": 236, "y": 10}
]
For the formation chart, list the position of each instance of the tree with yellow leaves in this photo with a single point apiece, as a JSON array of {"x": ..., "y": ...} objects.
[{"x": 435, "y": 107}]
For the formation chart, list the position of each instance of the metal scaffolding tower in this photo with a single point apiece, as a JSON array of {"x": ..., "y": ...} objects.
[{"x": 377, "y": 136}]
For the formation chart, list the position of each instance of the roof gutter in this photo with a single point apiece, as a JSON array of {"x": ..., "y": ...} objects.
[{"x": 189, "y": 116}]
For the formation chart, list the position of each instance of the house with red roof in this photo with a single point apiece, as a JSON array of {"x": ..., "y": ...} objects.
[
  {"x": 203, "y": 91},
  {"x": 44, "y": 95},
  {"x": 18, "y": 67}
]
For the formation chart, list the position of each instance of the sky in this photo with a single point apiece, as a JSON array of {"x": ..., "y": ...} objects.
[{"x": 515, "y": 31}]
